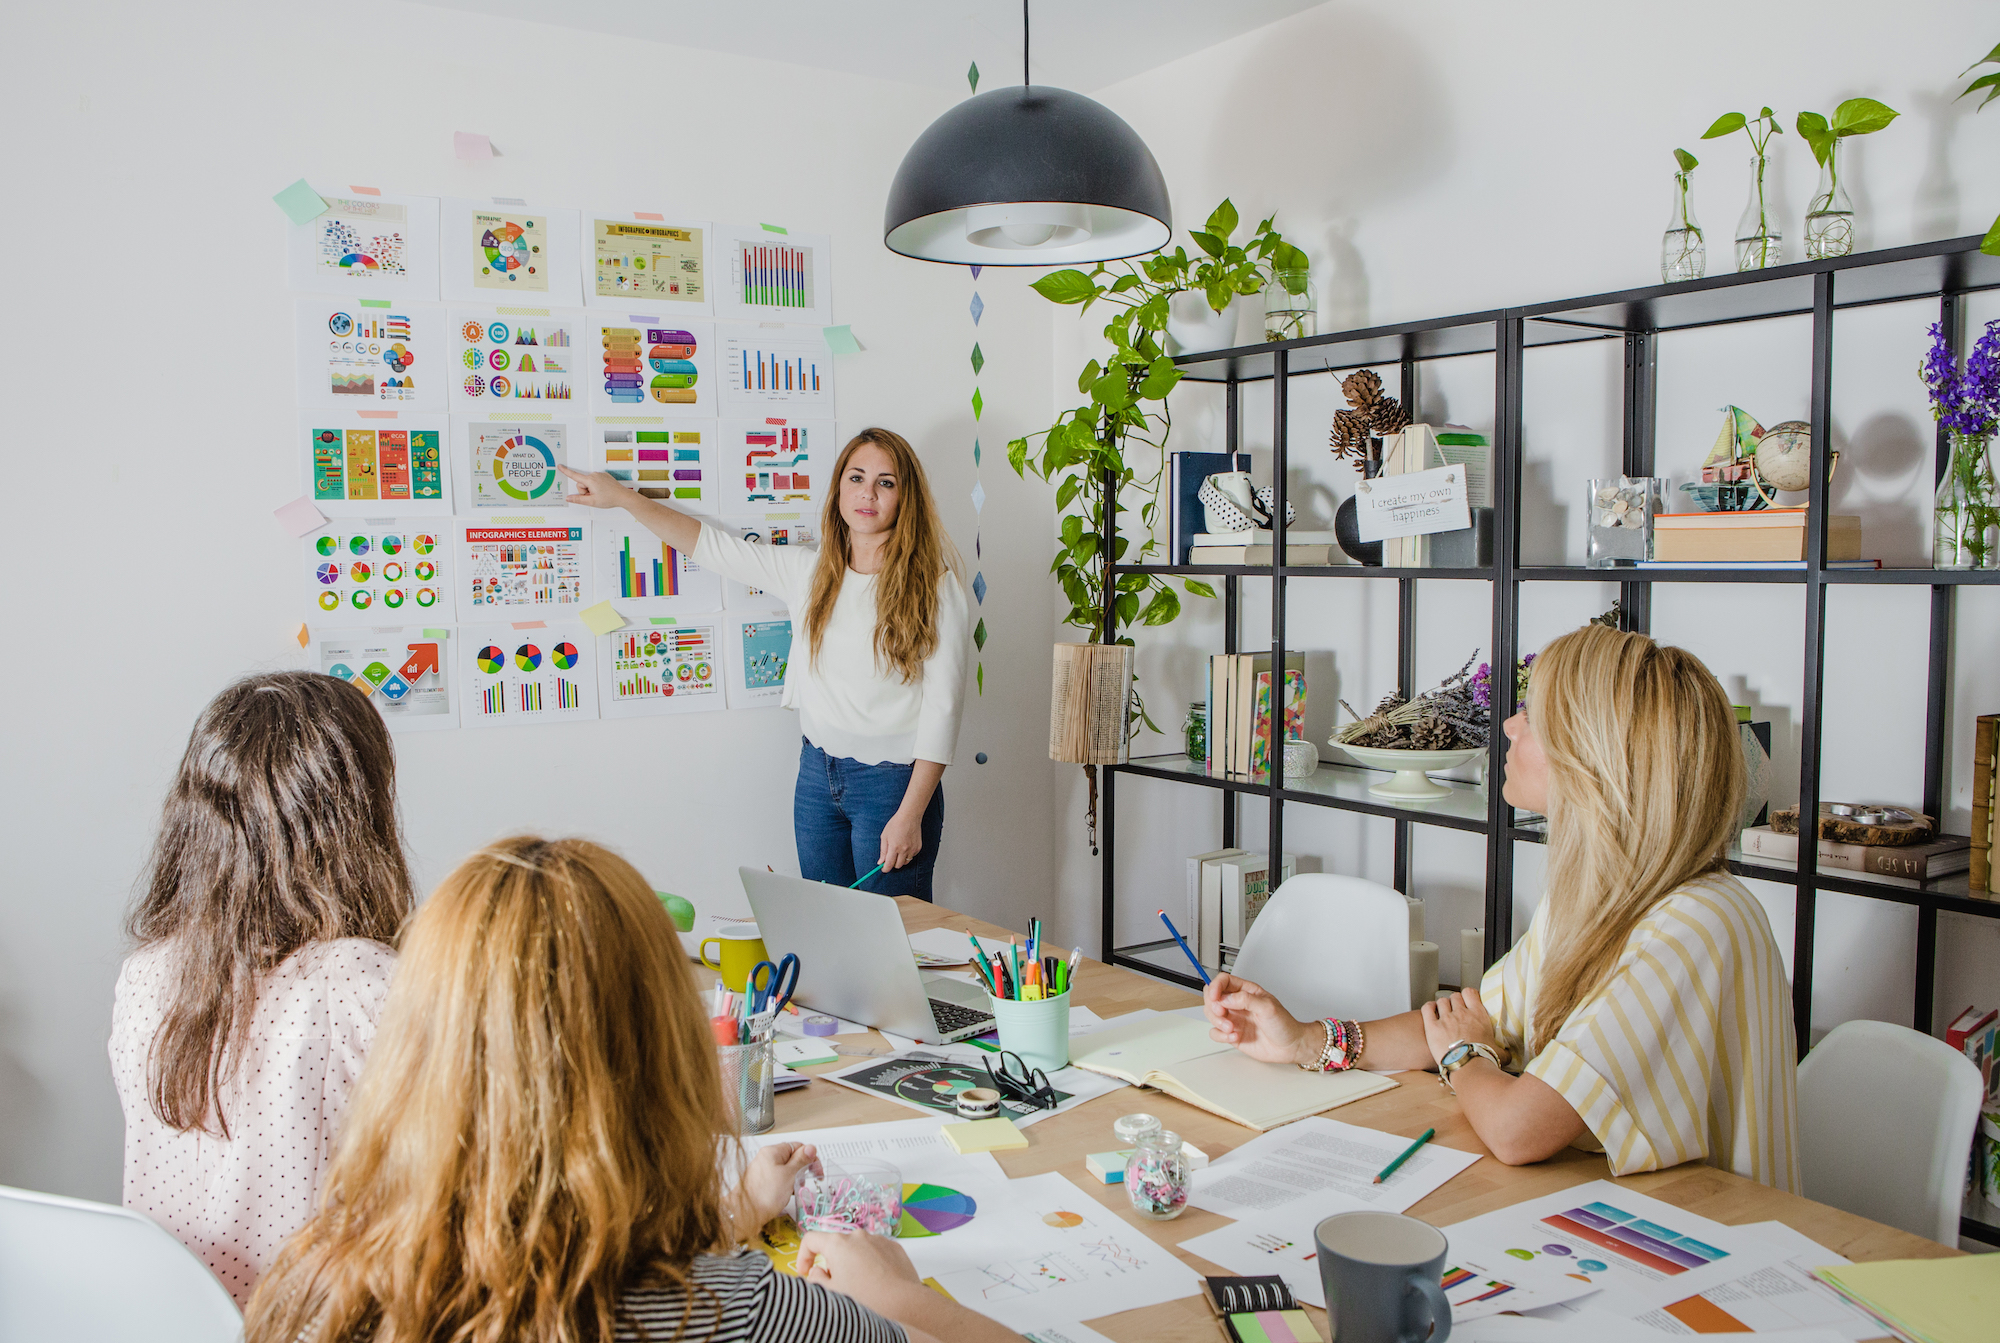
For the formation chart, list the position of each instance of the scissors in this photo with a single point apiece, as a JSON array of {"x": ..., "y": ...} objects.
[{"x": 784, "y": 981}]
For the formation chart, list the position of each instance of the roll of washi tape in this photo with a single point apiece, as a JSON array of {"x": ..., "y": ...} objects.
[
  {"x": 979, "y": 1103},
  {"x": 821, "y": 1025}
]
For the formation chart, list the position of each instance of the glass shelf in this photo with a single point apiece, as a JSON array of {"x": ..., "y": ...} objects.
[{"x": 1344, "y": 787}]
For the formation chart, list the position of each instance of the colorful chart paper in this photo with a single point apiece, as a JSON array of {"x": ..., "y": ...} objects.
[
  {"x": 932, "y": 1210},
  {"x": 671, "y": 664},
  {"x": 653, "y": 364},
  {"x": 641, "y": 575},
  {"x": 776, "y": 529},
  {"x": 760, "y": 648},
  {"x": 513, "y": 358},
  {"x": 368, "y": 247},
  {"x": 656, "y": 261},
  {"x": 496, "y": 250},
  {"x": 775, "y": 468},
  {"x": 789, "y": 368},
  {"x": 406, "y": 673},
  {"x": 772, "y": 277},
  {"x": 522, "y": 572},
  {"x": 670, "y": 460},
  {"x": 374, "y": 463},
  {"x": 376, "y": 575},
  {"x": 516, "y": 677},
  {"x": 511, "y": 465},
  {"x": 370, "y": 353}
]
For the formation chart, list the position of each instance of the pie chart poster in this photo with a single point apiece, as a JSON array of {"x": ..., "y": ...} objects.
[{"x": 512, "y": 466}]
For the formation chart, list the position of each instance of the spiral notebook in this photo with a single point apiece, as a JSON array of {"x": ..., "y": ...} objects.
[{"x": 1258, "y": 1310}]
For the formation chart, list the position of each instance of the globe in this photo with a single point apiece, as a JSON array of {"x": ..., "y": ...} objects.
[{"x": 1784, "y": 455}]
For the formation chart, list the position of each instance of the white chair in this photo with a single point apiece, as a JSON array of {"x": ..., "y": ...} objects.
[
  {"x": 1332, "y": 946},
  {"x": 1885, "y": 1126},
  {"x": 92, "y": 1273}
]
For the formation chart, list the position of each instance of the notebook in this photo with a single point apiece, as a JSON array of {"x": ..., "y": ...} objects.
[
  {"x": 1175, "y": 1055},
  {"x": 1929, "y": 1300},
  {"x": 1258, "y": 1310}
]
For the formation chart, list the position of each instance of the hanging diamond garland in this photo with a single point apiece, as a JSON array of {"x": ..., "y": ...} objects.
[
  {"x": 978, "y": 405},
  {"x": 978, "y": 307},
  {"x": 975, "y": 452},
  {"x": 972, "y": 76},
  {"x": 979, "y": 635},
  {"x": 979, "y": 588},
  {"x": 978, "y": 359},
  {"x": 978, "y": 497}
]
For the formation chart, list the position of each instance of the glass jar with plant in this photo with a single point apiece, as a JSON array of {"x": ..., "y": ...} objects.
[
  {"x": 1830, "y": 214},
  {"x": 1967, "y": 405},
  {"x": 1291, "y": 308},
  {"x": 1758, "y": 236},
  {"x": 1113, "y": 448},
  {"x": 1683, "y": 253}
]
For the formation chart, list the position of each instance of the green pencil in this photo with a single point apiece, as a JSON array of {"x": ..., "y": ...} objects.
[{"x": 1408, "y": 1152}]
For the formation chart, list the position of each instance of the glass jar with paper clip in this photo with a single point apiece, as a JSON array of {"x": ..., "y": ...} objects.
[
  {"x": 844, "y": 1196},
  {"x": 1157, "y": 1176}
]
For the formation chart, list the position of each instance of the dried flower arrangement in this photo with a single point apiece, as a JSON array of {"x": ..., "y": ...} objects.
[
  {"x": 1370, "y": 415},
  {"x": 1449, "y": 718}
]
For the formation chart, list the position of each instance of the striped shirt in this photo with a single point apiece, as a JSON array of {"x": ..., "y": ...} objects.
[
  {"x": 1687, "y": 1050},
  {"x": 740, "y": 1298}
]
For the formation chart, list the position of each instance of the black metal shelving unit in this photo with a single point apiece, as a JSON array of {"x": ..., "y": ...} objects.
[{"x": 1944, "y": 271}]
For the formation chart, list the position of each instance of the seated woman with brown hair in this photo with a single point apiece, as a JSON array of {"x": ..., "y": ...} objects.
[{"x": 536, "y": 1148}]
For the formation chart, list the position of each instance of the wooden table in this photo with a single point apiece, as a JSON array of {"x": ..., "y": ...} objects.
[{"x": 1061, "y": 1142}]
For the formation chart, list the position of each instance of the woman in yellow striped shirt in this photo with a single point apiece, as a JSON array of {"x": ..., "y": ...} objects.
[{"x": 1646, "y": 1008}]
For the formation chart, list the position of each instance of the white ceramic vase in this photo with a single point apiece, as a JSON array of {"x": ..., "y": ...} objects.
[{"x": 1195, "y": 328}]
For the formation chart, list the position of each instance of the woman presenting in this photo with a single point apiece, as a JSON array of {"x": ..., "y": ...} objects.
[
  {"x": 1646, "y": 1010},
  {"x": 882, "y": 619}
]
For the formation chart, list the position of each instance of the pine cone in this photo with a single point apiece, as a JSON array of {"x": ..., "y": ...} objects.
[
  {"x": 1434, "y": 734},
  {"x": 1350, "y": 434},
  {"x": 1362, "y": 388},
  {"x": 1387, "y": 416}
]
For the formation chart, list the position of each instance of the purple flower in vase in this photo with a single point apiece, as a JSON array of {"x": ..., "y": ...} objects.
[
  {"x": 1966, "y": 403},
  {"x": 1482, "y": 686}
]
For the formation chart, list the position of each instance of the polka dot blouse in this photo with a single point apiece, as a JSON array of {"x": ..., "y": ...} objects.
[{"x": 235, "y": 1202}]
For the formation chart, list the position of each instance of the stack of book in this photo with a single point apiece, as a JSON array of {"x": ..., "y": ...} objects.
[
  {"x": 1259, "y": 544},
  {"x": 1767, "y": 536},
  {"x": 1227, "y": 890},
  {"x": 1897, "y": 864},
  {"x": 1985, "y": 878},
  {"x": 1240, "y": 728}
]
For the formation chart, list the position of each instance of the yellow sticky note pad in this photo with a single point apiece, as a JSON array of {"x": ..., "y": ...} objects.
[
  {"x": 984, "y": 1135},
  {"x": 601, "y": 618}
]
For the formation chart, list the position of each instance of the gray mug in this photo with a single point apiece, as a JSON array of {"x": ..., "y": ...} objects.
[{"x": 1380, "y": 1271}]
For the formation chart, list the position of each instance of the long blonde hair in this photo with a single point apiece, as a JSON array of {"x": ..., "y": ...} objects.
[
  {"x": 537, "y": 1128},
  {"x": 914, "y": 563},
  {"x": 1645, "y": 794}
]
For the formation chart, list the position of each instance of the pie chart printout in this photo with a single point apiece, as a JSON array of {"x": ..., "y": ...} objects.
[{"x": 931, "y": 1210}]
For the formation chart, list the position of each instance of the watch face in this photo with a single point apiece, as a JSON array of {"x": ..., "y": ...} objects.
[{"x": 1454, "y": 1056}]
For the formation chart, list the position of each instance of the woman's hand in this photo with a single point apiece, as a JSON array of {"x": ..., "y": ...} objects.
[
  {"x": 870, "y": 1269},
  {"x": 595, "y": 489},
  {"x": 902, "y": 839},
  {"x": 767, "y": 1182},
  {"x": 1459, "y": 1017},
  {"x": 1242, "y": 1014}
]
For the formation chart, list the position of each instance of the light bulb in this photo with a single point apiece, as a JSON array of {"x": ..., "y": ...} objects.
[{"x": 1021, "y": 226}]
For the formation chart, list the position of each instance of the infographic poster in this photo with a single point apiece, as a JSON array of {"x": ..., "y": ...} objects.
[
  {"x": 665, "y": 366},
  {"x": 512, "y": 677},
  {"x": 405, "y": 672},
  {"x": 503, "y": 357},
  {"x": 644, "y": 576},
  {"x": 647, "y": 258},
  {"x": 776, "y": 529},
  {"x": 669, "y": 664},
  {"x": 368, "y": 246},
  {"x": 785, "y": 367},
  {"x": 502, "y": 247},
  {"x": 770, "y": 276},
  {"x": 374, "y": 463},
  {"x": 513, "y": 465},
  {"x": 760, "y": 648},
  {"x": 521, "y": 571},
  {"x": 673, "y": 461},
  {"x": 772, "y": 465},
  {"x": 370, "y": 352},
  {"x": 373, "y": 575}
]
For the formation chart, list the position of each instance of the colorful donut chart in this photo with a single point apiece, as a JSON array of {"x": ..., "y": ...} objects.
[
  {"x": 425, "y": 570},
  {"x": 392, "y": 572},
  {"x": 500, "y": 386},
  {"x": 471, "y": 331},
  {"x": 525, "y": 459},
  {"x": 475, "y": 385},
  {"x": 427, "y": 596},
  {"x": 361, "y": 599},
  {"x": 393, "y": 598},
  {"x": 340, "y": 324},
  {"x": 329, "y": 601}
]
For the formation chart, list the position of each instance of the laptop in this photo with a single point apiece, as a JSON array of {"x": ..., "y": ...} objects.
[{"x": 855, "y": 961}]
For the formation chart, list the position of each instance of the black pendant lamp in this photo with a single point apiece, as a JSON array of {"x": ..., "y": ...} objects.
[{"x": 1029, "y": 176}]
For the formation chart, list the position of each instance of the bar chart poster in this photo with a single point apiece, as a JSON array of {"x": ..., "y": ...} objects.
[
  {"x": 774, "y": 277},
  {"x": 644, "y": 257},
  {"x": 643, "y": 576},
  {"x": 775, "y": 465},
  {"x": 668, "y": 664},
  {"x": 370, "y": 354},
  {"x": 776, "y": 367},
  {"x": 512, "y": 677},
  {"x": 651, "y": 363},
  {"x": 522, "y": 571},
  {"x": 760, "y": 648},
  {"x": 669, "y": 460},
  {"x": 374, "y": 463},
  {"x": 375, "y": 575},
  {"x": 406, "y": 673}
]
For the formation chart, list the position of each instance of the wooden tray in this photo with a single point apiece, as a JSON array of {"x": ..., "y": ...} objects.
[{"x": 1840, "y": 829}]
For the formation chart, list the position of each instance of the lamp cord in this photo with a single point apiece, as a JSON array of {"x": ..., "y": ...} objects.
[{"x": 1024, "y": 43}]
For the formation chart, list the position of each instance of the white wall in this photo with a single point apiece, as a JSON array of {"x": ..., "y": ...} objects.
[
  {"x": 1451, "y": 156},
  {"x": 150, "y": 360}
]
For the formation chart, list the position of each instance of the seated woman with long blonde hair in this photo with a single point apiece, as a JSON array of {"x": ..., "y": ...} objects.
[
  {"x": 1646, "y": 1009},
  {"x": 535, "y": 1151}
]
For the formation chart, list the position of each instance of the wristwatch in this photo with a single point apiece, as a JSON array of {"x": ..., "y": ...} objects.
[{"x": 1458, "y": 1054}]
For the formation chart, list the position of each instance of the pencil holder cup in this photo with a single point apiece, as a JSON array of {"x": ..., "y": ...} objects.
[
  {"x": 1037, "y": 1031},
  {"x": 747, "y": 1074}
]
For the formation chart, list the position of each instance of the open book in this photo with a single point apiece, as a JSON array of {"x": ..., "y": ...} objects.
[{"x": 1175, "y": 1055}]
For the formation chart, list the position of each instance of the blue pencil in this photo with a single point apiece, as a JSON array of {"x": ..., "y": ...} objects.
[{"x": 1184, "y": 947}]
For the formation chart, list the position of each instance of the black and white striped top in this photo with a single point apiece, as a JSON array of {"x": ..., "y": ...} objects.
[{"x": 747, "y": 1301}]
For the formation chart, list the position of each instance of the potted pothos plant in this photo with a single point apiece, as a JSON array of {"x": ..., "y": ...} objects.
[{"x": 1119, "y": 436}]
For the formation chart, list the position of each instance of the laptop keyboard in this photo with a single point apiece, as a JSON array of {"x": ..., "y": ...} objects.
[{"x": 951, "y": 1017}]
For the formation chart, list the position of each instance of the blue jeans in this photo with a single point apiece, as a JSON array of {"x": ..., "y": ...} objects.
[{"x": 838, "y": 811}]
